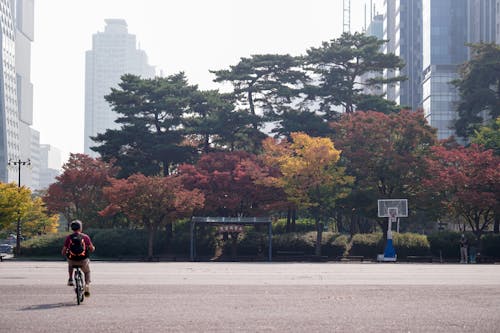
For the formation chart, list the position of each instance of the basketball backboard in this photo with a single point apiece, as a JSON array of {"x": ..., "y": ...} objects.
[{"x": 393, "y": 208}]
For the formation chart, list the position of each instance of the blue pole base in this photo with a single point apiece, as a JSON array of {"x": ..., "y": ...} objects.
[{"x": 389, "y": 251}]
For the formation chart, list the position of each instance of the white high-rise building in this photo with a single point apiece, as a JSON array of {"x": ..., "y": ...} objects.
[
  {"x": 18, "y": 141},
  {"x": 113, "y": 54},
  {"x": 50, "y": 165}
]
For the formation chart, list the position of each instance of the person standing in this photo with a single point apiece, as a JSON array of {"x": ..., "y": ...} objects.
[{"x": 463, "y": 249}]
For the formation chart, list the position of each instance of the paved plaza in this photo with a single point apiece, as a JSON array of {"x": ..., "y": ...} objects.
[{"x": 253, "y": 297}]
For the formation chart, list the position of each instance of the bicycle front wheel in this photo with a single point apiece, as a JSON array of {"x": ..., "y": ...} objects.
[{"x": 79, "y": 287}]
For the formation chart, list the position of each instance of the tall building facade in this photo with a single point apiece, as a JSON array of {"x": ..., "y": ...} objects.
[
  {"x": 444, "y": 50},
  {"x": 402, "y": 27},
  {"x": 481, "y": 15},
  {"x": 497, "y": 21},
  {"x": 50, "y": 165},
  {"x": 113, "y": 54}
]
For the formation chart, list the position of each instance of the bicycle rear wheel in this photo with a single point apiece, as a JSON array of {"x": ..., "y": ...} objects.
[{"x": 79, "y": 286}]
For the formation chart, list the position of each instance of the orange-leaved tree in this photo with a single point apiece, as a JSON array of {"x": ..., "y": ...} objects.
[
  {"x": 151, "y": 202},
  {"x": 310, "y": 175}
]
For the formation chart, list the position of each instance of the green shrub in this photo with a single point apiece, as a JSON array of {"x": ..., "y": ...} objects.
[
  {"x": 42, "y": 246},
  {"x": 301, "y": 226},
  {"x": 491, "y": 245},
  {"x": 410, "y": 244},
  {"x": 445, "y": 244},
  {"x": 181, "y": 240},
  {"x": 367, "y": 245},
  {"x": 339, "y": 246},
  {"x": 293, "y": 242}
]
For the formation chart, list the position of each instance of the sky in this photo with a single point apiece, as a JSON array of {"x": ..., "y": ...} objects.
[{"x": 193, "y": 36}]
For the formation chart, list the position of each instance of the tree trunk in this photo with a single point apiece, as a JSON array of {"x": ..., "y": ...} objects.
[
  {"x": 496, "y": 224},
  {"x": 151, "y": 238},
  {"x": 294, "y": 219},
  {"x": 169, "y": 231},
  {"x": 319, "y": 237},
  {"x": 288, "y": 219}
]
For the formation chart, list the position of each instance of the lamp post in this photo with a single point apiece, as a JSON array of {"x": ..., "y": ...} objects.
[{"x": 19, "y": 163}]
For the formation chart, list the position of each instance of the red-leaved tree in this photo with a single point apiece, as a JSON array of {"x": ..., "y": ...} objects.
[
  {"x": 466, "y": 180},
  {"x": 77, "y": 192},
  {"x": 231, "y": 184},
  {"x": 151, "y": 202}
]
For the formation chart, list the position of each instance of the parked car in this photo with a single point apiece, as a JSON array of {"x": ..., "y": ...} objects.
[{"x": 6, "y": 251}]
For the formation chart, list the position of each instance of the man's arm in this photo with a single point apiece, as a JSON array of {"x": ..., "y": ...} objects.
[{"x": 64, "y": 251}]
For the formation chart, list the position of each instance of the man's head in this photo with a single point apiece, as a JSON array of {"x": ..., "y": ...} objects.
[{"x": 76, "y": 225}]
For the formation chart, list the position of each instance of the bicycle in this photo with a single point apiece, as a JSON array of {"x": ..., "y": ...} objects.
[{"x": 79, "y": 285}]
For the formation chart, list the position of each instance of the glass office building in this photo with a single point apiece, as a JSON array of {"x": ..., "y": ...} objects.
[{"x": 445, "y": 34}]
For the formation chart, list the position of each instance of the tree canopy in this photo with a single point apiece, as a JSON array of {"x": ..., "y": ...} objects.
[{"x": 479, "y": 88}]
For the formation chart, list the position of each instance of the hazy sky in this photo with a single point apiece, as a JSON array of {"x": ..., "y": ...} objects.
[{"x": 193, "y": 36}]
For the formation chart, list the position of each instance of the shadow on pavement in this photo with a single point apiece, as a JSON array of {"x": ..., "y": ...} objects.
[{"x": 48, "y": 306}]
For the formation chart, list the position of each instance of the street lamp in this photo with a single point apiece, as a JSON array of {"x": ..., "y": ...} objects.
[{"x": 19, "y": 163}]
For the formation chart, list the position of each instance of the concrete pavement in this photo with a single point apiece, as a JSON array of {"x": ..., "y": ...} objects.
[{"x": 253, "y": 297}]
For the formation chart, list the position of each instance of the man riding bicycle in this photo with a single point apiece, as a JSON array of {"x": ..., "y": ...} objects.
[{"x": 76, "y": 249}]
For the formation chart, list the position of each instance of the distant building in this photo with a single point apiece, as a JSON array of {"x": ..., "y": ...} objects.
[
  {"x": 482, "y": 21},
  {"x": 497, "y": 21},
  {"x": 375, "y": 29},
  {"x": 113, "y": 54},
  {"x": 402, "y": 27},
  {"x": 50, "y": 165},
  {"x": 444, "y": 38},
  {"x": 16, "y": 91}
]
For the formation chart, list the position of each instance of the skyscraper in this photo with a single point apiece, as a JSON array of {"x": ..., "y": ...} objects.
[
  {"x": 444, "y": 38},
  {"x": 497, "y": 21},
  {"x": 481, "y": 21},
  {"x": 403, "y": 30},
  {"x": 113, "y": 54},
  {"x": 18, "y": 141}
]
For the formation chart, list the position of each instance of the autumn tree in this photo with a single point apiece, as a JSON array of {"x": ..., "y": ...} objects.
[
  {"x": 336, "y": 68},
  {"x": 230, "y": 183},
  {"x": 466, "y": 181},
  {"x": 18, "y": 203},
  {"x": 384, "y": 152},
  {"x": 151, "y": 202},
  {"x": 479, "y": 88},
  {"x": 77, "y": 192},
  {"x": 310, "y": 176}
]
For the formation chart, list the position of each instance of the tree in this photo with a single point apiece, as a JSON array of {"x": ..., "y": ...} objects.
[
  {"x": 337, "y": 67},
  {"x": 151, "y": 202},
  {"x": 152, "y": 133},
  {"x": 38, "y": 221},
  {"x": 489, "y": 136},
  {"x": 265, "y": 82},
  {"x": 77, "y": 193},
  {"x": 479, "y": 88},
  {"x": 466, "y": 181},
  {"x": 385, "y": 153},
  {"x": 17, "y": 202},
  {"x": 230, "y": 183},
  {"x": 310, "y": 176},
  {"x": 14, "y": 203}
]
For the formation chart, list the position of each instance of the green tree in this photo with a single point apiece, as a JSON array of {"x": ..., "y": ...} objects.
[
  {"x": 264, "y": 83},
  {"x": 152, "y": 134},
  {"x": 489, "y": 136},
  {"x": 337, "y": 67},
  {"x": 479, "y": 88}
]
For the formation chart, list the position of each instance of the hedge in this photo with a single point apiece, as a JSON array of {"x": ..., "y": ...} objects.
[{"x": 405, "y": 244}]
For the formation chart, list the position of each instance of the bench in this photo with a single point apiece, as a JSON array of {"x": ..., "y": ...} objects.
[
  {"x": 350, "y": 258},
  {"x": 419, "y": 259}
]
